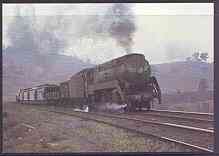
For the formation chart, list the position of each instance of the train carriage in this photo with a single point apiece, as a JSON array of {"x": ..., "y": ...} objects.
[
  {"x": 78, "y": 89},
  {"x": 48, "y": 93},
  {"x": 31, "y": 95},
  {"x": 19, "y": 96},
  {"x": 25, "y": 95},
  {"x": 64, "y": 89},
  {"x": 40, "y": 94}
]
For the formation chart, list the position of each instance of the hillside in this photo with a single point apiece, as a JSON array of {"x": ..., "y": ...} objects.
[
  {"x": 22, "y": 70},
  {"x": 183, "y": 76}
]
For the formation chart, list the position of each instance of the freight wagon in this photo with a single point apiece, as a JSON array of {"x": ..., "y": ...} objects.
[{"x": 42, "y": 94}]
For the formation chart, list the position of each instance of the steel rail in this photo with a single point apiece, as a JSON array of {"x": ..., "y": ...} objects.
[
  {"x": 187, "y": 121},
  {"x": 184, "y": 114},
  {"x": 153, "y": 122}
]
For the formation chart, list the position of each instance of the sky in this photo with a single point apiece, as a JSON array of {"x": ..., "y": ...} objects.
[{"x": 165, "y": 32}]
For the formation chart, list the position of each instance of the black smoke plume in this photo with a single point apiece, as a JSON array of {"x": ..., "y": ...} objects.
[{"x": 122, "y": 25}]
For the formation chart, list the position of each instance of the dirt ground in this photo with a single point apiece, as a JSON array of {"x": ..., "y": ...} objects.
[{"x": 26, "y": 129}]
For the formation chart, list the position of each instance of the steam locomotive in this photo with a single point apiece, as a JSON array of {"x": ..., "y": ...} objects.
[{"x": 125, "y": 80}]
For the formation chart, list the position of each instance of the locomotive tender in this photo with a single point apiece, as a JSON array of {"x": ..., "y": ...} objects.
[{"x": 125, "y": 80}]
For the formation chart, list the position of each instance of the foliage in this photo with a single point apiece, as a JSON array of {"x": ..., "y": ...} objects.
[{"x": 198, "y": 56}]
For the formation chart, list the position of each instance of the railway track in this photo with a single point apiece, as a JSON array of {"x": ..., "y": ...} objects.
[
  {"x": 189, "y": 138},
  {"x": 193, "y": 115},
  {"x": 196, "y": 120}
]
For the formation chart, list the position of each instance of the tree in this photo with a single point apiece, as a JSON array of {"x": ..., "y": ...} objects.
[
  {"x": 204, "y": 56},
  {"x": 196, "y": 56}
]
